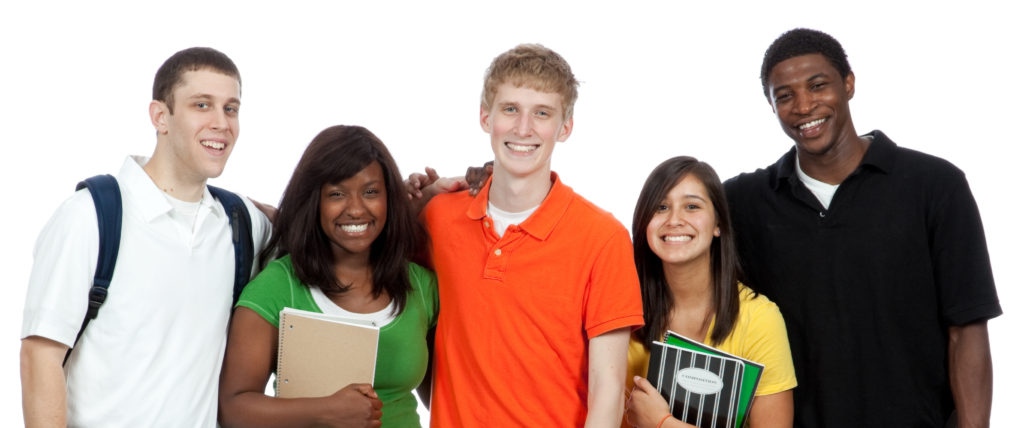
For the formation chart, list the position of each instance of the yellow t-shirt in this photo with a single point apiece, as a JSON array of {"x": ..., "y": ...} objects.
[{"x": 759, "y": 335}]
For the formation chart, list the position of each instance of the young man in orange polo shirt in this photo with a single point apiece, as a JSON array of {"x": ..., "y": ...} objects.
[{"x": 537, "y": 285}]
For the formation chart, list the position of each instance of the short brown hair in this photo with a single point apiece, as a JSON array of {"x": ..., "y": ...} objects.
[
  {"x": 171, "y": 73},
  {"x": 533, "y": 66}
]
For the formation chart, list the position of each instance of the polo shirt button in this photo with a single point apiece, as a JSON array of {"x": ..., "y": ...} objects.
[
  {"x": 497, "y": 252},
  {"x": 821, "y": 214}
]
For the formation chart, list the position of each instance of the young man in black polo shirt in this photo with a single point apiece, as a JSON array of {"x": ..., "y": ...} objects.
[{"x": 874, "y": 253}]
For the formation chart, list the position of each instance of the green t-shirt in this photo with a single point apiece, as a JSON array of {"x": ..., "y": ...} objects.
[{"x": 402, "y": 348}]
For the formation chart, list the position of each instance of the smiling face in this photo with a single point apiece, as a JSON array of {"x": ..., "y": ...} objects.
[
  {"x": 524, "y": 125},
  {"x": 811, "y": 101},
  {"x": 684, "y": 224},
  {"x": 353, "y": 211},
  {"x": 198, "y": 137}
]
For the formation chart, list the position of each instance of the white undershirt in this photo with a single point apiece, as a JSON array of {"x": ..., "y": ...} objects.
[
  {"x": 504, "y": 219},
  {"x": 184, "y": 213},
  {"x": 380, "y": 318},
  {"x": 821, "y": 190}
]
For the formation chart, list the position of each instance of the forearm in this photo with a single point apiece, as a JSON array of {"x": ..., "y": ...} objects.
[
  {"x": 970, "y": 374},
  {"x": 257, "y": 410},
  {"x": 607, "y": 379},
  {"x": 43, "y": 387}
]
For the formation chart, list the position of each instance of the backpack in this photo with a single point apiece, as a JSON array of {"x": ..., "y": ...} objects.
[{"x": 106, "y": 196}]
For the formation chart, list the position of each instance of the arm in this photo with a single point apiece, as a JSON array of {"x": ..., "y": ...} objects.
[
  {"x": 970, "y": 373},
  {"x": 248, "y": 361},
  {"x": 607, "y": 362},
  {"x": 43, "y": 388},
  {"x": 772, "y": 410}
]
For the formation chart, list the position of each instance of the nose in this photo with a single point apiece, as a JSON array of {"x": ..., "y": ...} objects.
[
  {"x": 219, "y": 121},
  {"x": 355, "y": 207},
  {"x": 803, "y": 102},
  {"x": 524, "y": 125},
  {"x": 677, "y": 217}
]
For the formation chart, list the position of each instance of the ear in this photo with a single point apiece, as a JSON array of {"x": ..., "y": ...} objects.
[
  {"x": 718, "y": 232},
  {"x": 566, "y": 130},
  {"x": 485, "y": 118},
  {"x": 158, "y": 113},
  {"x": 849, "y": 86}
]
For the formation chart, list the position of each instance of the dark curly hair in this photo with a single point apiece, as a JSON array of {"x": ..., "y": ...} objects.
[{"x": 803, "y": 41}]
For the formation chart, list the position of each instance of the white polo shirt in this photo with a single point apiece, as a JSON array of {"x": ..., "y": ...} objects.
[{"x": 152, "y": 356}]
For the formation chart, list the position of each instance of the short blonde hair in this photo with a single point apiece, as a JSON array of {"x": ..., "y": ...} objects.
[{"x": 535, "y": 67}]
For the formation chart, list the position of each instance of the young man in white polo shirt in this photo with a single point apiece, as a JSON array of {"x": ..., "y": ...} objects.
[{"x": 152, "y": 356}]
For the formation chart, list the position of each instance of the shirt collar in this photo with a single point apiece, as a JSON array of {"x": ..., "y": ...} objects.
[
  {"x": 542, "y": 222},
  {"x": 880, "y": 156},
  {"x": 147, "y": 198}
]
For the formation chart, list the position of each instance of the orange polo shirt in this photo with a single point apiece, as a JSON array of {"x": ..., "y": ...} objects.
[{"x": 518, "y": 311}]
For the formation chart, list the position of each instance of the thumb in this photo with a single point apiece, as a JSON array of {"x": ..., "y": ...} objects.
[{"x": 642, "y": 384}]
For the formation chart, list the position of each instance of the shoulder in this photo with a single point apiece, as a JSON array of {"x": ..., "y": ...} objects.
[
  {"x": 420, "y": 276},
  {"x": 757, "y": 308}
]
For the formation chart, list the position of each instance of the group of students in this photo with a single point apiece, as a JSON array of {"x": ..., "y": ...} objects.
[{"x": 544, "y": 305}]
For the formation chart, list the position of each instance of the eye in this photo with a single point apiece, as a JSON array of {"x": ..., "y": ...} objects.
[
  {"x": 509, "y": 109},
  {"x": 781, "y": 98},
  {"x": 661, "y": 208},
  {"x": 543, "y": 113},
  {"x": 692, "y": 207},
  {"x": 203, "y": 105},
  {"x": 372, "y": 192},
  {"x": 231, "y": 109}
]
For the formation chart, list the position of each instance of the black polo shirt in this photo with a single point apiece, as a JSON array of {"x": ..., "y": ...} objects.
[{"x": 868, "y": 287}]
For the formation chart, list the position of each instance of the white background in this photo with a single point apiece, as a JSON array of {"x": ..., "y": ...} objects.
[{"x": 658, "y": 79}]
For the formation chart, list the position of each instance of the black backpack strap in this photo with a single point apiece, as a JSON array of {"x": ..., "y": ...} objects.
[
  {"x": 106, "y": 197},
  {"x": 241, "y": 236}
]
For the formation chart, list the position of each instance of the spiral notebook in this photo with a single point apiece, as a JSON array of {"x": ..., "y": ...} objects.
[
  {"x": 701, "y": 389},
  {"x": 319, "y": 354}
]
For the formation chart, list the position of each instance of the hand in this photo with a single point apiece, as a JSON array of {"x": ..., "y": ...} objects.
[
  {"x": 416, "y": 182},
  {"x": 355, "y": 405},
  {"x": 477, "y": 176},
  {"x": 645, "y": 407}
]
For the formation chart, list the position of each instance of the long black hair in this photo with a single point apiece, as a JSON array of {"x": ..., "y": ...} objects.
[
  {"x": 725, "y": 268},
  {"x": 336, "y": 154}
]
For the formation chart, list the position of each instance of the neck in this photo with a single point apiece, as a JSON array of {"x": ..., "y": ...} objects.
[
  {"x": 835, "y": 165},
  {"x": 517, "y": 194},
  {"x": 173, "y": 181},
  {"x": 690, "y": 284}
]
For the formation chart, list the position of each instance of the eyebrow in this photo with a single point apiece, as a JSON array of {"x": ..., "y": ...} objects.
[{"x": 232, "y": 100}]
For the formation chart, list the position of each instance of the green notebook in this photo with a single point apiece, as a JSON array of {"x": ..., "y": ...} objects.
[{"x": 751, "y": 372}]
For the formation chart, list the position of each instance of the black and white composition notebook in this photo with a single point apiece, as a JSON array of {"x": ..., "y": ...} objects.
[{"x": 701, "y": 389}]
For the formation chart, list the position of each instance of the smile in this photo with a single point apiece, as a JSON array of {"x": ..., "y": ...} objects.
[
  {"x": 213, "y": 144},
  {"x": 683, "y": 238},
  {"x": 354, "y": 228},
  {"x": 811, "y": 124},
  {"x": 521, "y": 148}
]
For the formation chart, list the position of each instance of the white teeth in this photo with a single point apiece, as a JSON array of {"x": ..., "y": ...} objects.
[
  {"x": 812, "y": 123},
  {"x": 354, "y": 228},
  {"x": 677, "y": 238},
  {"x": 213, "y": 144},
  {"x": 519, "y": 148}
]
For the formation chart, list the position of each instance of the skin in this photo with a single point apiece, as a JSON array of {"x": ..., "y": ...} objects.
[
  {"x": 805, "y": 89},
  {"x": 194, "y": 143},
  {"x": 252, "y": 341},
  {"x": 970, "y": 373},
  {"x": 688, "y": 211},
  {"x": 206, "y": 110},
  {"x": 524, "y": 124}
]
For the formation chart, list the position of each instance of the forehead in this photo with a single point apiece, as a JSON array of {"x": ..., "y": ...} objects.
[
  {"x": 526, "y": 94},
  {"x": 688, "y": 186},
  {"x": 207, "y": 82},
  {"x": 799, "y": 68}
]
